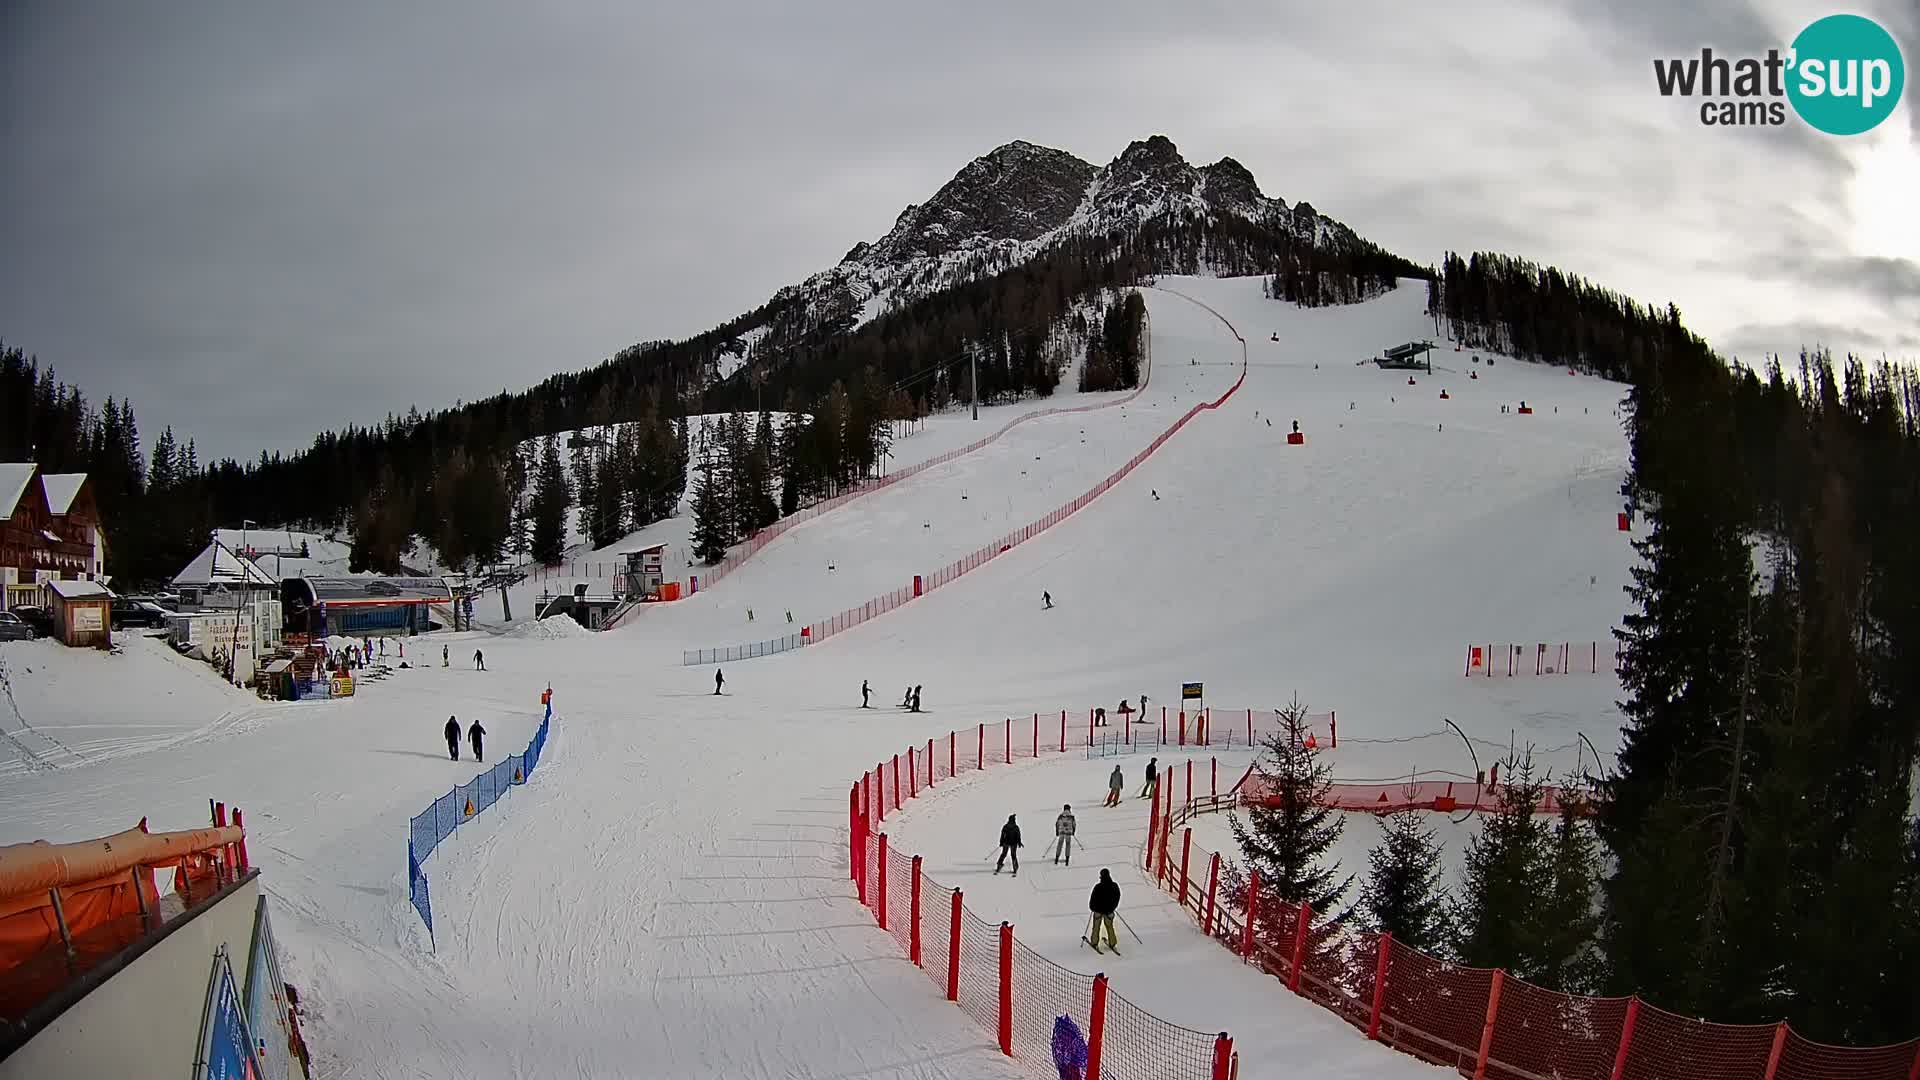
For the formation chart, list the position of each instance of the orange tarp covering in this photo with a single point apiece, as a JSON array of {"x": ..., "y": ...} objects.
[{"x": 96, "y": 883}]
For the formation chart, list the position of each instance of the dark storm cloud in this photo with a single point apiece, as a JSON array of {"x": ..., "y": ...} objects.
[
  {"x": 258, "y": 224},
  {"x": 1750, "y": 342}
]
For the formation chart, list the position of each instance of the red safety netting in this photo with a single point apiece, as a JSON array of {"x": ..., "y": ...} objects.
[
  {"x": 1043, "y": 990},
  {"x": 980, "y": 970},
  {"x": 1439, "y": 1011},
  {"x": 1140, "y": 1045},
  {"x": 900, "y": 899},
  {"x": 936, "y": 930}
]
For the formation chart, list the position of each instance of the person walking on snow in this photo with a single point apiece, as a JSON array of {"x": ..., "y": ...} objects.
[
  {"x": 1063, "y": 829},
  {"x": 719, "y": 681},
  {"x": 906, "y": 699},
  {"x": 1114, "y": 784},
  {"x": 443, "y": 656},
  {"x": 749, "y": 614},
  {"x": 1009, "y": 845},
  {"x": 475, "y": 733},
  {"x": 865, "y": 691},
  {"x": 1047, "y": 599},
  {"x": 1153, "y": 777},
  {"x": 453, "y": 738},
  {"x": 1105, "y": 904},
  {"x": 479, "y": 662},
  {"x": 916, "y": 700}
]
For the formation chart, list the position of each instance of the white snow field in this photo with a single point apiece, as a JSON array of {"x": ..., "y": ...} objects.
[{"x": 669, "y": 895}]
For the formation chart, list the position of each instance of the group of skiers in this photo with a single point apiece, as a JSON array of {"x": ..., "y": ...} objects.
[
  {"x": 1104, "y": 903},
  {"x": 1116, "y": 782},
  {"x": 475, "y": 735}
]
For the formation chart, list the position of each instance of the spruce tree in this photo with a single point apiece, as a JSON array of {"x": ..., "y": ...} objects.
[
  {"x": 1403, "y": 894},
  {"x": 711, "y": 517},
  {"x": 586, "y": 487},
  {"x": 551, "y": 498},
  {"x": 1288, "y": 833},
  {"x": 1506, "y": 880},
  {"x": 1569, "y": 920}
]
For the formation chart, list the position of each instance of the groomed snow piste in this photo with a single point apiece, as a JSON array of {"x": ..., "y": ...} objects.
[{"x": 669, "y": 895}]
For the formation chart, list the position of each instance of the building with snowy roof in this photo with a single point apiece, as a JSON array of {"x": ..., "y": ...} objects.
[
  {"x": 82, "y": 613},
  {"x": 229, "y": 610},
  {"x": 49, "y": 530}
]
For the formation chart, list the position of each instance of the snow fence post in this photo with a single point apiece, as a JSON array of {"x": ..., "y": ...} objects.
[
  {"x": 1214, "y": 787},
  {"x": 1249, "y": 729},
  {"x": 929, "y": 761},
  {"x": 1300, "y": 927},
  {"x": 952, "y": 738},
  {"x": 880, "y": 789},
  {"x": 1183, "y": 727},
  {"x": 980, "y": 755},
  {"x": 913, "y": 775},
  {"x": 1189, "y": 792},
  {"x": 1253, "y": 912},
  {"x": 1380, "y": 987},
  {"x": 1779, "y": 1045},
  {"x": 240, "y": 845},
  {"x": 1089, "y": 727},
  {"x": 1008, "y": 747},
  {"x": 914, "y": 935},
  {"x": 896, "y": 781},
  {"x": 1222, "y": 1056},
  {"x": 1153, "y": 824},
  {"x": 1486, "y": 1032},
  {"x": 953, "y": 951},
  {"x": 1163, "y": 725},
  {"x": 881, "y": 909},
  {"x": 1096, "y": 1025},
  {"x": 1186, "y": 851},
  {"x": 1063, "y": 731},
  {"x": 1006, "y": 989},
  {"x": 1213, "y": 890},
  {"x": 1626, "y": 1041},
  {"x": 1036, "y": 735}
]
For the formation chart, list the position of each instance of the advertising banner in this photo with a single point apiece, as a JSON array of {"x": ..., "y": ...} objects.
[{"x": 226, "y": 1048}]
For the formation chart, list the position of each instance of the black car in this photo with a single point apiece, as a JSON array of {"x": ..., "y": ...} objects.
[
  {"x": 14, "y": 628},
  {"x": 130, "y": 612},
  {"x": 39, "y": 618}
]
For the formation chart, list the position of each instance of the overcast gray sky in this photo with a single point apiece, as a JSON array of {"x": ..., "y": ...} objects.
[{"x": 258, "y": 220}]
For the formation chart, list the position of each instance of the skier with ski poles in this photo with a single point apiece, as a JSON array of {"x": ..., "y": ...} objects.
[
  {"x": 1104, "y": 903},
  {"x": 1009, "y": 845},
  {"x": 865, "y": 692},
  {"x": 1153, "y": 777},
  {"x": 1114, "y": 784},
  {"x": 1063, "y": 830}
]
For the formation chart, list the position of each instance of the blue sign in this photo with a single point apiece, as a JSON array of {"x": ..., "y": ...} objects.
[
  {"x": 225, "y": 1046},
  {"x": 266, "y": 998}
]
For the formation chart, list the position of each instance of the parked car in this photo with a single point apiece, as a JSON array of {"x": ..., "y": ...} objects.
[
  {"x": 14, "y": 628},
  {"x": 37, "y": 617},
  {"x": 128, "y": 611}
]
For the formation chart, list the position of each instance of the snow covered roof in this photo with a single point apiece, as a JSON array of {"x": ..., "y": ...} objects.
[
  {"x": 61, "y": 489},
  {"x": 376, "y": 590},
  {"x": 14, "y": 478},
  {"x": 80, "y": 590},
  {"x": 219, "y": 565}
]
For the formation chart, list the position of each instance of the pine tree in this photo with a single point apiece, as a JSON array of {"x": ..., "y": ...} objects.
[
  {"x": 1403, "y": 894},
  {"x": 1506, "y": 878},
  {"x": 551, "y": 498},
  {"x": 1569, "y": 920},
  {"x": 710, "y": 519},
  {"x": 161, "y": 475},
  {"x": 585, "y": 485},
  {"x": 1287, "y": 835}
]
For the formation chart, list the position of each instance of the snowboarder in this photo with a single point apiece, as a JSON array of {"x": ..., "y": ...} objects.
[
  {"x": 1063, "y": 829},
  {"x": 916, "y": 700},
  {"x": 479, "y": 661},
  {"x": 1114, "y": 784},
  {"x": 1009, "y": 845},
  {"x": 444, "y": 661},
  {"x": 475, "y": 733},
  {"x": 865, "y": 691},
  {"x": 1046, "y": 598},
  {"x": 1153, "y": 777},
  {"x": 453, "y": 738},
  {"x": 1104, "y": 903},
  {"x": 719, "y": 681}
]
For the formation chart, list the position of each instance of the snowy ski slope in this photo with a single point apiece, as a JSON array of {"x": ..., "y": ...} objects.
[{"x": 669, "y": 896}]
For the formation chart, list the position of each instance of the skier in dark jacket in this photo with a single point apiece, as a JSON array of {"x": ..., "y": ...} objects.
[
  {"x": 865, "y": 692},
  {"x": 475, "y": 733},
  {"x": 719, "y": 681},
  {"x": 1009, "y": 845},
  {"x": 1104, "y": 903},
  {"x": 916, "y": 700},
  {"x": 453, "y": 738},
  {"x": 1153, "y": 777}
]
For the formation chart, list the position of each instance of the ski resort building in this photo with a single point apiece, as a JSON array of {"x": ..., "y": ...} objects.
[
  {"x": 49, "y": 530},
  {"x": 362, "y": 606},
  {"x": 82, "y": 613},
  {"x": 229, "y": 611},
  {"x": 1412, "y": 356}
]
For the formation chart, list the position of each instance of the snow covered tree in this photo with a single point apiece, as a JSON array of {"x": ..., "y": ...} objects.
[
  {"x": 1403, "y": 894},
  {"x": 1287, "y": 835}
]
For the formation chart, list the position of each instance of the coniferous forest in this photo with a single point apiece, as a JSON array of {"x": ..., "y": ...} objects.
[{"x": 1755, "y": 853}]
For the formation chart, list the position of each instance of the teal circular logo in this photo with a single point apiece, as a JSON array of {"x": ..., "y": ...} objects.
[{"x": 1847, "y": 74}]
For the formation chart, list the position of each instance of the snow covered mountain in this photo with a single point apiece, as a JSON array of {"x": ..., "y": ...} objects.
[{"x": 1020, "y": 201}]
